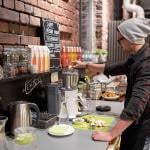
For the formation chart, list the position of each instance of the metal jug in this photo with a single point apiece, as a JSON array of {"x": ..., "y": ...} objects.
[
  {"x": 70, "y": 78},
  {"x": 20, "y": 115}
]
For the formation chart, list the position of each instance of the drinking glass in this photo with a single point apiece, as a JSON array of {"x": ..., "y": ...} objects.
[
  {"x": 3, "y": 140},
  {"x": 25, "y": 139}
]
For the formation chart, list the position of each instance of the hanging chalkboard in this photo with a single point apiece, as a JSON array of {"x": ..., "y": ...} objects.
[{"x": 51, "y": 37}]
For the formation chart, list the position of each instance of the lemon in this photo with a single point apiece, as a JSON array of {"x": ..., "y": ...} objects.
[{"x": 24, "y": 138}]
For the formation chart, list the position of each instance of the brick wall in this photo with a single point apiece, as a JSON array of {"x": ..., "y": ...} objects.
[
  {"x": 20, "y": 21},
  {"x": 107, "y": 16},
  {"x": 102, "y": 14}
]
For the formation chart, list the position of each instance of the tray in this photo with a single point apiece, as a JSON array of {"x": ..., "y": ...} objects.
[{"x": 45, "y": 121}]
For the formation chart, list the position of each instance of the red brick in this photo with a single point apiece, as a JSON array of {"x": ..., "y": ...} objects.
[
  {"x": 6, "y": 38},
  {"x": 37, "y": 12},
  {"x": 9, "y": 3},
  {"x": 45, "y": 14},
  {"x": 35, "y": 21},
  {"x": 33, "y": 2},
  {"x": 29, "y": 9},
  {"x": 50, "y": 1},
  {"x": 9, "y": 15},
  {"x": 1, "y": 49},
  {"x": 33, "y": 31},
  {"x": 19, "y": 5},
  {"x": 55, "y": 9},
  {"x": 24, "y": 18},
  {"x": 29, "y": 40},
  {"x": 4, "y": 27},
  {"x": 44, "y": 4},
  {"x": 14, "y": 28},
  {"x": 24, "y": 30}
]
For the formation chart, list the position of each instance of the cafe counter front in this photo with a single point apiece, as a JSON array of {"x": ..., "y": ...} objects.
[{"x": 80, "y": 139}]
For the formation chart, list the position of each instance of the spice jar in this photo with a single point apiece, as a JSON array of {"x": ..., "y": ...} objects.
[
  {"x": 10, "y": 70},
  {"x": 23, "y": 55},
  {"x": 14, "y": 56},
  {"x": 23, "y": 68}
]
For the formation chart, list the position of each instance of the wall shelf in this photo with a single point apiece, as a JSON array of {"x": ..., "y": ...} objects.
[{"x": 29, "y": 75}]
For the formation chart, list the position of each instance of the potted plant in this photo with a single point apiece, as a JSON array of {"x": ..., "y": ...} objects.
[{"x": 102, "y": 53}]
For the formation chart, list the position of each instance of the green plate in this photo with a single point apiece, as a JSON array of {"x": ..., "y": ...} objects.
[
  {"x": 61, "y": 130},
  {"x": 109, "y": 122}
]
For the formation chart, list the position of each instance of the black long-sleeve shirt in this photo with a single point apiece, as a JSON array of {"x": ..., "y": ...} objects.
[{"x": 137, "y": 70}]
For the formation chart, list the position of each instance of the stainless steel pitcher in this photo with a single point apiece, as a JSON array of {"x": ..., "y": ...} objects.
[
  {"x": 70, "y": 78},
  {"x": 20, "y": 114}
]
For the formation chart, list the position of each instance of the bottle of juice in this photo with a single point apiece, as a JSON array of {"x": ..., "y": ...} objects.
[
  {"x": 33, "y": 56},
  {"x": 68, "y": 55},
  {"x": 63, "y": 57},
  {"x": 74, "y": 54},
  {"x": 39, "y": 60}
]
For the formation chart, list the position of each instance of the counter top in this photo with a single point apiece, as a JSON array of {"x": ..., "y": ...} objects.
[{"x": 79, "y": 140}]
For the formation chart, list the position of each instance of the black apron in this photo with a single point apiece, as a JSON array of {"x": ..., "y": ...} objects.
[{"x": 133, "y": 138}]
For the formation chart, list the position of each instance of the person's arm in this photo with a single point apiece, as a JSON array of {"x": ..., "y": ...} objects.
[
  {"x": 115, "y": 131},
  {"x": 115, "y": 69}
]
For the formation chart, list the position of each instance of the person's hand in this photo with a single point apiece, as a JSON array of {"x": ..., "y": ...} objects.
[
  {"x": 101, "y": 136},
  {"x": 78, "y": 64}
]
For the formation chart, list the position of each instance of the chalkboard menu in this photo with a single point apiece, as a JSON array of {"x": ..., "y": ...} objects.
[{"x": 51, "y": 38}]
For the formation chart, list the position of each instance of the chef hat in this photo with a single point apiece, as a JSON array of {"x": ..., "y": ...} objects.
[{"x": 135, "y": 29}]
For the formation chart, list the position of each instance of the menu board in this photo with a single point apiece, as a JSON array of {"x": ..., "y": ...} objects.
[{"x": 51, "y": 37}]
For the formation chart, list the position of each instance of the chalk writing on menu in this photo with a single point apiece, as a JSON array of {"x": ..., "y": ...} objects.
[{"x": 51, "y": 36}]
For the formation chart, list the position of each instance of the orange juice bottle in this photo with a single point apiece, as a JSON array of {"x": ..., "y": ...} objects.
[{"x": 39, "y": 60}]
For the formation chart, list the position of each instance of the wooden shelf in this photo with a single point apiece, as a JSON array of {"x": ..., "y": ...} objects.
[{"x": 29, "y": 75}]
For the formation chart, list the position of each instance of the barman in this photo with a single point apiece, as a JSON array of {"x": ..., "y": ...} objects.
[{"x": 134, "y": 122}]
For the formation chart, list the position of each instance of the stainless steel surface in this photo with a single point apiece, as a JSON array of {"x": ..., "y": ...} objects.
[
  {"x": 70, "y": 78},
  {"x": 20, "y": 115}
]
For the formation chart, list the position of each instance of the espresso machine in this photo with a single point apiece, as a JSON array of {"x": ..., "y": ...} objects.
[{"x": 69, "y": 91}]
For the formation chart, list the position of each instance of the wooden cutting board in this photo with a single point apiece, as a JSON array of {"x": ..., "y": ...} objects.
[{"x": 108, "y": 120}]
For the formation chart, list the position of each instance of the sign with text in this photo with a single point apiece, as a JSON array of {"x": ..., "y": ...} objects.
[{"x": 51, "y": 37}]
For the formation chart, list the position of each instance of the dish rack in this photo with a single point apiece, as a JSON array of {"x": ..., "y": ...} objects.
[{"x": 45, "y": 120}]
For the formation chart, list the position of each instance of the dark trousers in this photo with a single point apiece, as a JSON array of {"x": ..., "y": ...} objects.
[{"x": 133, "y": 138}]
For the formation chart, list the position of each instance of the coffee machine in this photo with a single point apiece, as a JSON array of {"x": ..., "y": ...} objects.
[{"x": 69, "y": 91}]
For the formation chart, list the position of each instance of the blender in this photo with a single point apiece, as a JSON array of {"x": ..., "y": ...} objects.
[{"x": 69, "y": 91}]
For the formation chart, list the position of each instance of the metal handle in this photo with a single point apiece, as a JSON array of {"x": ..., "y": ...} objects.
[{"x": 36, "y": 108}]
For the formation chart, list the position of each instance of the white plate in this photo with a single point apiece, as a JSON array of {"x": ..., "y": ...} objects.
[{"x": 61, "y": 130}]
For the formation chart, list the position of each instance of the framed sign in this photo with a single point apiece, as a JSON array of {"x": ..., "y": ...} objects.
[{"x": 51, "y": 38}]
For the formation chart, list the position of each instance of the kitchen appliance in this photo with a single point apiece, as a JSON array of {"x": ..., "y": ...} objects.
[
  {"x": 52, "y": 97},
  {"x": 69, "y": 92},
  {"x": 20, "y": 115},
  {"x": 70, "y": 78}
]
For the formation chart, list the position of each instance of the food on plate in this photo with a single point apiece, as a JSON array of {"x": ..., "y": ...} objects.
[
  {"x": 78, "y": 120},
  {"x": 110, "y": 95},
  {"x": 97, "y": 123},
  {"x": 24, "y": 138},
  {"x": 59, "y": 129}
]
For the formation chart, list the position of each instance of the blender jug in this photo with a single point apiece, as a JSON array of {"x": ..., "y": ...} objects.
[{"x": 3, "y": 141}]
